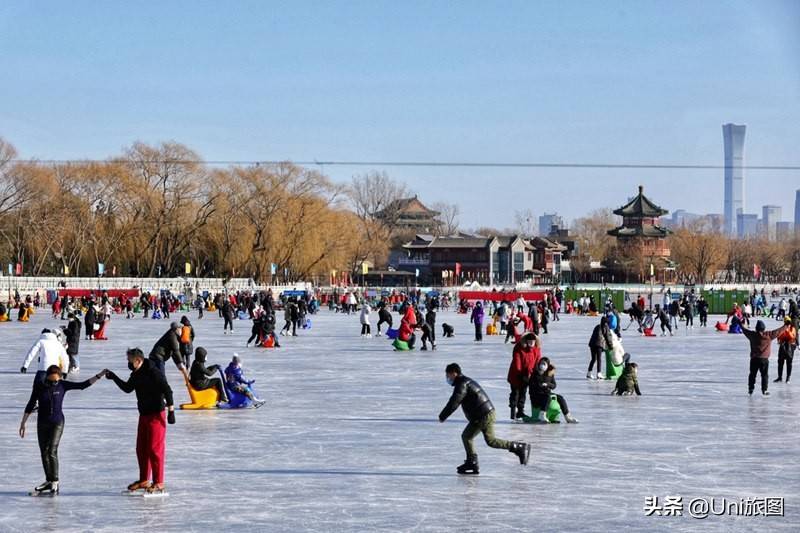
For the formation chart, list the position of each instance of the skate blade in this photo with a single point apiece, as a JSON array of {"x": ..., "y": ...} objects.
[
  {"x": 43, "y": 494},
  {"x": 160, "y": 494}
]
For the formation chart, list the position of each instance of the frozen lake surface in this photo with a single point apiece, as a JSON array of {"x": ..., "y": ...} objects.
[{"x": 349, "y": 439}]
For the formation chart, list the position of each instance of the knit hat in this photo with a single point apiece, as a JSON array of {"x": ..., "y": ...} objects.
[
  {"x": 760, "y": 326},
  {"x": 185, "y": 320},
  {"x": 174, "y": 325}
]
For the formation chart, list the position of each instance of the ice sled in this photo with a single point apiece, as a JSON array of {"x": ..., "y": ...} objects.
[
  {"x": 209, "y": 398},
  {"x": 648, "y": 332},
  {"x": 392, "y": 333},
  {"x": 613, "y": 371},
  {"x": 156, "y": 315},
  {"x": 552, "y": 412},
  {"x": 4, "y": 318},
  {"x": 307, "y": 324},
  {"x": 242, "y": 315},
  {"x": 268, "y": 341},
  {"x": 491, "y": 329},
  {"x": 400, "y": 346},
  {"x": 237, "y": 400},
  {"x": 721, "y": 326},
  {"x": 201, "y": 399},
  {"x": 735, "y": 328},
  {"x": 100, "y": 334}
]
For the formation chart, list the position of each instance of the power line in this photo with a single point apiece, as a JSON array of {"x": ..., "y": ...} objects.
[{"x": 434, "y": 164}]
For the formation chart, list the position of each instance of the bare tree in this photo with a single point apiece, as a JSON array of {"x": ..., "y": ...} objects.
[
  {"x": 447, "y": 218},
  {"x": 525, "y": 222}
]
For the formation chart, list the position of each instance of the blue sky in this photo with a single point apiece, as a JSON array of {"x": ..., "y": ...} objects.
[{"x": 585, "y": 82}]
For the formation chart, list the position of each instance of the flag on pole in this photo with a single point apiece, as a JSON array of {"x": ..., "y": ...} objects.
[
  {"x": 100, "y": 269},
  {"x": 364, "y": 268},
  {"x": 416, "y": 272},
  {"x": 458, "y": 269},
  {"x": 273, "y": 269},
  {"x": 652, "y": 271},
  {"x": 756, "y": 271},
  {"x": 188, "y": 268},
  {"x": 19, "y": 269},
  {"x": 66, "y": 270},
  {"x": 10, "y": 269}
]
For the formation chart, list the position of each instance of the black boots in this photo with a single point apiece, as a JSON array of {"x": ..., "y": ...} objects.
[
  {"x": 521, "y": 450},
  {"x": 470, "y": 466}
]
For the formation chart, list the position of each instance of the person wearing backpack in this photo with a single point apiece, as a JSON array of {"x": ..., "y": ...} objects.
[{"x": 186, "y": 340}]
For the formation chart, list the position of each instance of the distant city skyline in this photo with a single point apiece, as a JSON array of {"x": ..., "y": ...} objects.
[{"x": 631, "y": 83}]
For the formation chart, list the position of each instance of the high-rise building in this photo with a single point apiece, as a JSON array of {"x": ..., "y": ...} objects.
[
  {"x": 797, "y": 212},
  {"x": 547, "y": 221},
  {"x": 770, "y": 216},
  {"x": 784, "y": 230},
  {"x": 733, "y": 137},
  {"x": 746, "y": 225}
]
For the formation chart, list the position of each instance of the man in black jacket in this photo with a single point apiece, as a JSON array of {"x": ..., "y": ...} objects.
[
  {"x": 480, "y": 413},
  {"x": 152, "y": 393},
  {"x": 169, "y": 347}
]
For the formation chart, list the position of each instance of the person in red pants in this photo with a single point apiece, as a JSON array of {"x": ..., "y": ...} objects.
[{"x": 152, "y": 394}]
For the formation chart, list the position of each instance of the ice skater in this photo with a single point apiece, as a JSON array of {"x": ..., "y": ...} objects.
[
  {"x": 49, "y": 350},
  {"x": 234, "y": 377},
  {"x": 476, "y": 318},
  {"x": 152, "y": 394},
  {"x": 384, "y": 316},
  {"x": 599, "y": 342},
  {"x": 702, "y": 311},
  {"x": 48, "y": 395},
  {"x": 524, "y": 358},
  {"x": 760, "y": 348},
  {"x": 664, "y": 320},
  {"x": 787, "y": 344},
  {"x": 227, "y": 316},
  {"x": 480, "y": 413},
  {"x": 366, "y": 330},
  {"x": 169, "y": 347}
]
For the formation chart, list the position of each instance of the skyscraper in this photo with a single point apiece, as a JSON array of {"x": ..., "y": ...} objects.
[
  {"x": 733, "y": 136},
  {"x": 770, "y": 216},
  {"x": 547, "y": 221},
  {"x": 797, "y": 212}
]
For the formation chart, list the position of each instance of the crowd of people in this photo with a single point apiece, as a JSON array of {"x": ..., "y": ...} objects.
[{"x": 531, "y": 374}]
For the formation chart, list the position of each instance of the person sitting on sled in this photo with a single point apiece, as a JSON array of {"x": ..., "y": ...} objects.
[
  {"x": 199, "y": 375},
  {"x": 234, "y": 377}
]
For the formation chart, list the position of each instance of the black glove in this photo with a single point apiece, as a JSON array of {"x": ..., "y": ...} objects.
[
  {"x": 23, "y": 370},
  {"x": 110, "y": 375},
  {"x": 171, "y": 417}
]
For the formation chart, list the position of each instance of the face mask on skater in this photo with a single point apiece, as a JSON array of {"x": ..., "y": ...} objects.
[
  {"x": 449, "y": 380},
  {"x": 542, "y": 369},
  {"x": 131, "y": 367}
]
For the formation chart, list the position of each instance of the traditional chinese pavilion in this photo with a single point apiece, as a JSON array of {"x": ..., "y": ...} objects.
[{"x": 640, "y": 228}]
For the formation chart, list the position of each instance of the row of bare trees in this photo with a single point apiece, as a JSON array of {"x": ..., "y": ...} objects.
[{"x": 152, "y": 209}]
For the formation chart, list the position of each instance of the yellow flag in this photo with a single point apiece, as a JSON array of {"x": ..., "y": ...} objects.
[
  {"x": 364, "y": 268},
  {"x": 188, "y": 268}
]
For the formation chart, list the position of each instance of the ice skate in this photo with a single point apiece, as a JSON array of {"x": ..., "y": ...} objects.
[
  {"x": 765, "y": 393},
  {"x": 542, "y": 418},
  {"x": 138, "y": 485},
  {"x": 49, "y": 488},
  {"x": 590, "y": 376},
  {"x": 600, "y": 375},
  {"x": 522, "y": 450},
  {"x": 570, "y": 419},
  {"x": 778, "y": 380},
  {"x": 156, "y": 490},
  {"x": 470, "y": 466}
]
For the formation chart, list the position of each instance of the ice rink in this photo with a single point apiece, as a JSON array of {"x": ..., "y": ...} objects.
[{"x": 349, "y": 439}]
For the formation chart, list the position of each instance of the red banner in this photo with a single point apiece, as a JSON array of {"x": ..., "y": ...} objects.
[{"x": 529, "y": 296}]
